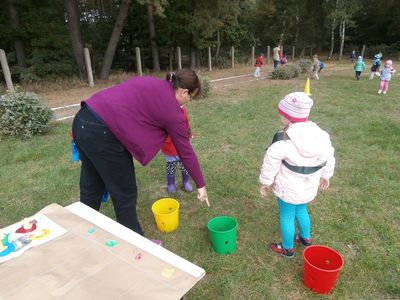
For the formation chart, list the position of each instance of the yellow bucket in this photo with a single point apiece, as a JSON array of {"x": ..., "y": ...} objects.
[{"x": 166, "y": 214}]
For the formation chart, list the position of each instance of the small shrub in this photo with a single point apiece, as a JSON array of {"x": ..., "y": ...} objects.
[
  {"x": 287, "y": 72},
  {"x": 23, "y": 115},
  {"x": 206, "y": 87},
  {"x": 224, "y": 62},
  {"x": 304, "y": 64}
]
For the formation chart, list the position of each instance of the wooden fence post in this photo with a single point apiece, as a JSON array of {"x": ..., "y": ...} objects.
[
  {"x": 6, "y": 71},
  {"x": 293, "y": 52},
  {"x": 252, "y": 56},
  {"x": 178, "y": 53},
  {"x": 138, "y": 61},
  {"x": 363, "y": 50},
  {"x": 233, "y": 56},
  {"x": 268, "y": 54},
  {"x": 88, "y": 66},
  {"x": 209, "y": 59}
]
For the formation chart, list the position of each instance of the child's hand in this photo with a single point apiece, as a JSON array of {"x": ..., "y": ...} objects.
[
  {"x": 264, "y": 190},
  {"x": 323, "y": 183}
]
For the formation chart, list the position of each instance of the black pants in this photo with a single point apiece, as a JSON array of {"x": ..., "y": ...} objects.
[
  {"x": 358, "y": 74},
  {"x": 105, "y": 163}
]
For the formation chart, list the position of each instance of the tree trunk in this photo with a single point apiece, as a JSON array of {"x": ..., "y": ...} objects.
[
  {"x": 192, "y": 53},
  {"x": 218, "y": 45},
  {"x": 171, "y": 58},
  {"x": 18, "y": 45},
  {"x": 192, "y": 57},
  {"x": 114, "y": 39},
  {"x": 152, "y": 30},
  {"x": 296, "y": 37},
  {"x": 282, "y": 35},
  {"x": 333, "y": 25},
  {"x": 342, "y": 35},
  {"x": 71, "y": 7}
]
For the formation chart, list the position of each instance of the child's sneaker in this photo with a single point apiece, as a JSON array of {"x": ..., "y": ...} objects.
[
  {"x": 278, "y": 248},
  {"x": 380, "y": 91},
  {"x": 384, "y": 93},
  {"x": 304, "y": 242}
]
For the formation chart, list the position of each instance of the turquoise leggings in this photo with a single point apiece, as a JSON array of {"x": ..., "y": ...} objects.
[{"x": 287, "y": 213}]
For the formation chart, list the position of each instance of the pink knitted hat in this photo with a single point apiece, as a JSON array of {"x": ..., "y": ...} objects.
[{"x": 295, "y": 107}]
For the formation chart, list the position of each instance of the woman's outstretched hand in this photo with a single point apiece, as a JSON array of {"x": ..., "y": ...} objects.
[{"x": 202, "y": 195}]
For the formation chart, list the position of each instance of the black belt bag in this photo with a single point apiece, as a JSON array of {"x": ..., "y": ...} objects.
[{"x": 303, "y": 170}]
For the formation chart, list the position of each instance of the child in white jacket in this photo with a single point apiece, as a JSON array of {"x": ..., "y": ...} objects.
[{"x": 299, "y": 160}]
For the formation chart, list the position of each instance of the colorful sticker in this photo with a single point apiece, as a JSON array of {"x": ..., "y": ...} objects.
[
  {"x": 27, "y": 227},
  {"x": 91, "y": 230},
  {"x": 8, "y": 249},
  {"x": 139, "y": 256},
  {"x": 168, "y": 272},
  {"x": 40, "y": 234},
  {"x": 111, "y": 243}
]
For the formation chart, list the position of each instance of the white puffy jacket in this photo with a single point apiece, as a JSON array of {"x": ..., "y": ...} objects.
[{"x": 306, "y": 145}]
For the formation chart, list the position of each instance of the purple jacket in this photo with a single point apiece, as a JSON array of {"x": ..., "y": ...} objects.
[{"x": 141, "y": 112}]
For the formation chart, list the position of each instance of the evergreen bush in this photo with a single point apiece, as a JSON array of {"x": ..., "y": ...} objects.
[
  {"x": 287, "y": 72},
  {"x": 304, "y": 64},
  {"x": 23, "y": 115},
  {"x": 206, "y": 87}
]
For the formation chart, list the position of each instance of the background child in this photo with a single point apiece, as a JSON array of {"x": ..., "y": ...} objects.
[
  {"x": 321, "y": 66},
  {"x": 258, "y": 64},
  {"x": 386, "y": 76},
  {"x": 283, "y": 61},
  {"x": 172, "y": 160},
  {"x": 300, "y": 159},
  {"x": 375, "y": 65},
  {"x": 359, "y": 66},
  {"x": 352, "y": 56},
  {"x": 315, "y": 66}
]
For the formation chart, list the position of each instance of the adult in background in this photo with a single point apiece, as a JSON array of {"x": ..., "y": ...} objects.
[
  {"x": 315, "y": 66},
  {"x": 133, "y": 119},
  {"x": 276, "y": 56}
]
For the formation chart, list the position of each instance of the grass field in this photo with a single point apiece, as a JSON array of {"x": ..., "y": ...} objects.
[{"x": 359, "y": 215}]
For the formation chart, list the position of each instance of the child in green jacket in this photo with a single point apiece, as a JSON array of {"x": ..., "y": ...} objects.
[{"x": 359, "y": 66}]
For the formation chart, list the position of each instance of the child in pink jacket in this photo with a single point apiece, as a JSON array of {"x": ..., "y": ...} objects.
[{"x": 299, "y": 160}]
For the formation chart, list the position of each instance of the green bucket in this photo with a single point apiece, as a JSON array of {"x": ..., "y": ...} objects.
[{"x": 223, "y": 232}]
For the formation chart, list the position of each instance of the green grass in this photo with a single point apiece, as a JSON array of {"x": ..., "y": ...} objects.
[{"x": 358, "y": 216}]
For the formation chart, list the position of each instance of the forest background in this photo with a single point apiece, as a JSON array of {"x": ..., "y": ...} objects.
[{"x": 45, "y": 39}]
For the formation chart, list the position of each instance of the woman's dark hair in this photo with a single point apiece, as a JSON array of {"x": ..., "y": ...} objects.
[{"x": 185, "y": 79}]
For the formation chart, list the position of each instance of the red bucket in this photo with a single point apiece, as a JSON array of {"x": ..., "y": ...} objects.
[{"x": 322, "y": 266}]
